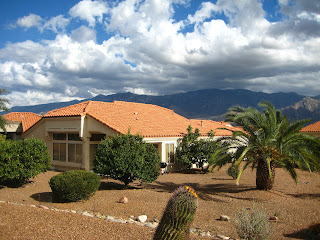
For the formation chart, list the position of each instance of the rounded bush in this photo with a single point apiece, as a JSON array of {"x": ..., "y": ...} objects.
[
  {"x": 73, "y": 186},
  {"x": 22, "y": 160}
]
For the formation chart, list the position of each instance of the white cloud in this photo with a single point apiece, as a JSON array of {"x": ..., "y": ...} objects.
[
  {"x": 29, "y": 21},
  {"x": 205, "y": 11},
  {"x": 83, "y": 34},
  {"x": 56, "y": 24},
  {"x": 33, "y": 97},
  {"x": 90, "y": 11},
  {"x": 146, "y": 51}
]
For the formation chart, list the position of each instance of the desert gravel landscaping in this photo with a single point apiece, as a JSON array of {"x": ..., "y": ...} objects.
[{"x": 297, "y": 206}]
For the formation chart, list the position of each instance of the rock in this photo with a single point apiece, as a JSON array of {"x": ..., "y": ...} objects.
[
  {"x": 43, "y": 207},
  {"x": 109, "y": 218},
  {"x": 224, "y": 218},
  {"x": 151, "y": 225},
  {"x": 118, "y": 220},
  {"x": 193, "y": 230},
  {"x": 87, "y": 214},
  {"x": 123, "y": 200},
  {"x": 204, "y": 234},
  {"x": 142, "y": 218},
  {"x": 223, "y": 237},
  {"x": 273, "y": 218}
]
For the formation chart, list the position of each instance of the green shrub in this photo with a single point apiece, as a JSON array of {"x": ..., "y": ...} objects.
[
  {"x": 252, "y": 224},
  {"x": 192, "y": 150},
  {"x": 233, "y": 171},
  {"x": 73, "y": 186},
  {"x": 22, "y": 160},
  {"x": 127, "y": 158}
]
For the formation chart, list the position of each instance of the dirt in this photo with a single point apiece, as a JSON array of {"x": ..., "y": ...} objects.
[{"x": 296, "y": 206}]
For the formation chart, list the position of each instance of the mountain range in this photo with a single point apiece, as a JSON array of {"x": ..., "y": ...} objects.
[{"x": 205, "y": 104}]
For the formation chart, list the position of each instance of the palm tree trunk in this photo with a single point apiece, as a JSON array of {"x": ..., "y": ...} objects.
[{"x": 263, "y": 179}]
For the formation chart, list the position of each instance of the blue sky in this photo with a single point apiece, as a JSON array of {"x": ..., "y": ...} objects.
[{"x": 59, "y": 50}]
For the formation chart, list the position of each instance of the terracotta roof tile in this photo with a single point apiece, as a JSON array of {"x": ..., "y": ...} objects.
[
  {"x": 27, "y": 119},
  {"x": 145, "y": 119},
  {"x": 315, "y": 127}
]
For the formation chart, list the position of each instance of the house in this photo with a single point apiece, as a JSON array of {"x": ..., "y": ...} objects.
[
  {"x": 73, "y": 133},
  {"x": 313, "y": 129},
  {"x": 18, "y": 123}
]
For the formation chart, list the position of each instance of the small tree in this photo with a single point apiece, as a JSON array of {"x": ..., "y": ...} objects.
[
  {"x": 192, "y": 150},
  {"x": 3, "y": 107},
  {"x": 127, "y": 158},
  {"x": 22, "y": 160}
]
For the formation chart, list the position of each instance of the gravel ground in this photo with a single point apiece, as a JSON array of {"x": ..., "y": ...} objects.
[{"x": 297, "y": 206}]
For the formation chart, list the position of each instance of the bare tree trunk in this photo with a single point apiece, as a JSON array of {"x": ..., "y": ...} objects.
[{"x": 263, "y": 179}]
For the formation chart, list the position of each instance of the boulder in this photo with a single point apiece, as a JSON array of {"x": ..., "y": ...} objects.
[
  {"x": 123, "y": 200},
  {"x": 142, "y": 218}
]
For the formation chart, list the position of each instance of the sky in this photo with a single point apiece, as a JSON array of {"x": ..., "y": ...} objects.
[{"x": 61, "y": 50}]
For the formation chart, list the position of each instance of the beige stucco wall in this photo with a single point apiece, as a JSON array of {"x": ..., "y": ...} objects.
[{"x": 85, "y": 126}]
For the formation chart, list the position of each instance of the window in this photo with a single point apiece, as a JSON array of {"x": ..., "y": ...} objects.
[
  {"x": 97, "y": 137},
  {"x": 170, "y": 152},
  {"x": 66, "y": 147}
]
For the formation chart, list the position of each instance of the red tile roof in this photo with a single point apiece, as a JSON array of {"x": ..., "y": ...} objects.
[
  {"x": 315, "y": 127},
  {"x": 27, "y": 119},
  {"x": 145, "y": 119}
]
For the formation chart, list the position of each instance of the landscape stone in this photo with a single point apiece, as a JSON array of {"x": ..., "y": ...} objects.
[
  {"x": 43, "y": 207},
  {"x": 223, "y": 237},
  {"x": 224, "y": 218},
  {"x": 142, "y": 218},
  {"x": 273, "y": 218},
  {"x": 123, "y": 200},
  {"x": 87, "y": 214}
]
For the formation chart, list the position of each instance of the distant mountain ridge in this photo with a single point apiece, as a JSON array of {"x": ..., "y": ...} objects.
[
  {"x": 306, "y": 108},
  {"x": 205, "y": 104}
]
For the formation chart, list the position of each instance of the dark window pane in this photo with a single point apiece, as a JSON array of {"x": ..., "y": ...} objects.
[
  {"x": 78, "y": 153},
  {"x": 56, "y": 151},
  {"x": 71, "y": 152},
  {"x": 63, "y": 153},
  {"x": 59, "y": 136},
  {"x": 73, "y": 137},
  {"x": 97, "y": 137}
]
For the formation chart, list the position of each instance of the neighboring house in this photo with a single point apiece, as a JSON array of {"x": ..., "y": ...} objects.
[
  {"x": 18, "y": 123},
  {"x": 313, "y": 129},
  {"x": 73, "y": 133}
]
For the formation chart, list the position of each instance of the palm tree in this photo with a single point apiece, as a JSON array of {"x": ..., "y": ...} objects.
[
  {"x": 268, "y": 140},
  {"x": 3, "y": 107}
]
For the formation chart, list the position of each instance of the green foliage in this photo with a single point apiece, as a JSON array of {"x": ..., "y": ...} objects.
[
  {"x": 233, "y": 171},
  {"x": 268, "y": 140},
  {"x": 3, "y": 107},
  {"x": 178, "y": 215},
  {"x": 192, "y": 150},
  {"x": 72, "y": 186},
  {"x": 22, "y": 160},
  {"x": 127, "y": 158},
  {"x": 252, "y": 224}
]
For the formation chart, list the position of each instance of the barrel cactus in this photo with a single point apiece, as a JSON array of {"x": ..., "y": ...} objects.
[{"x": 178, "y": 216}]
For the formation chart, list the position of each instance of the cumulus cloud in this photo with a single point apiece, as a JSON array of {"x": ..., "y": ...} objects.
[
  {"x": 29, "y": 21},
  {"x": 83, "y": 34},
  {"x": 90, "y": 11},
  {"x": 56, "y": 24},
  {"x": 147, "y": 51}
]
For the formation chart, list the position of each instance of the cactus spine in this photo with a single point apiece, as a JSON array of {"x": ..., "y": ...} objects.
[{"x": 178, "y": 216}]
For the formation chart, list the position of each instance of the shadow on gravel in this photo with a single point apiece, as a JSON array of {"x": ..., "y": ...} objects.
[
  {"x": 306, "y": 195},
  {"x": 115, "y": 186},
  {"x": 42, "y": 197},
  {"x": 304, "y": 234},
  {"x": 208, "y": 192}
]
